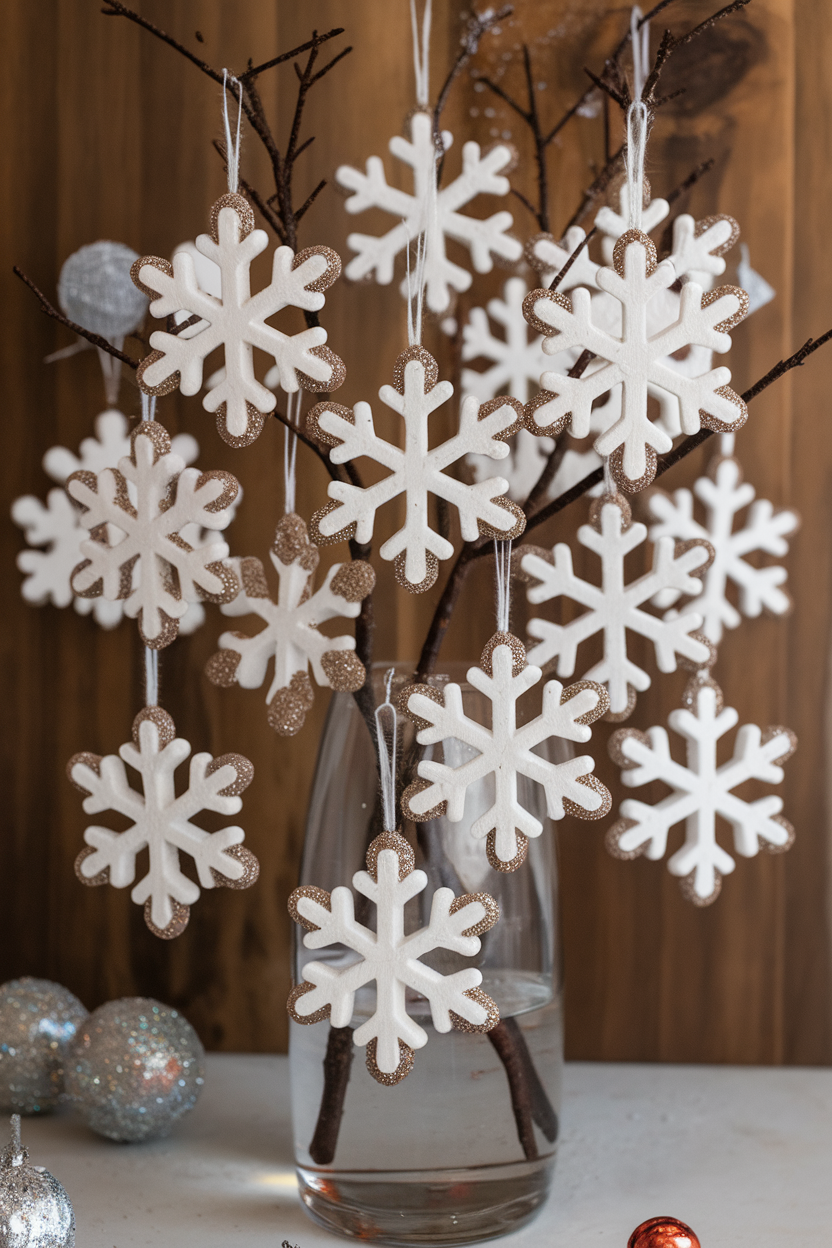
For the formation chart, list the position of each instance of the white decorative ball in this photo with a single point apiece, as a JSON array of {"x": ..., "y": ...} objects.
[
  {"x": 35, "y": 1211},
  {"x": 135, "y": 1068},
  {"x": 96, "y": 291},
  {"x": 38, "y": 1021}
]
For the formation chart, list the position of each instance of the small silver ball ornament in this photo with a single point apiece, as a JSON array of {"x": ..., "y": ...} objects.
[
  {"x": 96, "y": 291},
  {"x": 35, "y": 1211},
  {"x": 38, "y": 1020},
  {"x": 135, "y": 1068}
]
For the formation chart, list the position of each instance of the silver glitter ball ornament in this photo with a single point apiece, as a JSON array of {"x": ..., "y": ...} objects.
[
  {"x": 96, "y": 291},
  {"x": 135, "y": 1068},
  {"x": 38, "y": 1020},
  {"x": 34, "y": 1208}
]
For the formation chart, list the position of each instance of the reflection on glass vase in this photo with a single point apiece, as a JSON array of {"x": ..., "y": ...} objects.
[{"x": 463, "y": 1148}]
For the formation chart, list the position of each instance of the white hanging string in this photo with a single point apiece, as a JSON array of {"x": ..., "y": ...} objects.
[
  {"x": 415, "y": 285},
  {"x": 609, "y": 482},
  {"x": 232, "y": 148},
  {"x": 502, "y": 565},
  {"x": 726, "y": 444},
  {"x": 637, "y": 121},
  {"x": 387, "y": 755},
  {"x": 290, "y": 452},
  {"x": 151, "y": 657},
  {"x": 421, "y": 61},
  {"x": 640, "y": 39}
]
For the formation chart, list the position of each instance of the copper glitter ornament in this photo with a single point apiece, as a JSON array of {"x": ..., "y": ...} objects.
[
  {"x": 38, "y": 1022},
  {"x": 135, "y": 1069},
  {"x": 663, "y": 1233},
  {"x": 35, "y": 1211}
]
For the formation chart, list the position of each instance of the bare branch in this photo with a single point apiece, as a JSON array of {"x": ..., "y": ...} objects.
[{"x": 96, "y": 339}]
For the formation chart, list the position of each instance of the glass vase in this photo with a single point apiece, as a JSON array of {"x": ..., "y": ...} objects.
[{"x": 462, "y": 1149}]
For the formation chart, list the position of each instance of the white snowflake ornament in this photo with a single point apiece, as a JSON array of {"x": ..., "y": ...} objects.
[
  {"x": 724, "y": 495},
  {"x": 136, "y": 551},
  {"x": 416, "y": 471},
  {"x": 392, "y": 959},
  {"x": 615, "y": 607},
  {"x": 238, "y": 321},
  {"x": 701, "y": 790},
  {"x": 481, "y": 174},
  {"x": 291, "y": 637},
  {"x": 636, "y": 359},
  {"x": 161, "y": 822},
  {"x": 505, "y": 751}
]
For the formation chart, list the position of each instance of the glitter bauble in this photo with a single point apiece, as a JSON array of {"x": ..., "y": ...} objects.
[
  {"x": 96, "y": 291},
  {"x": 34, "y": 1209},
  {"x": 135, "y": 1068},
  {"x": 38, "y": 1020}
]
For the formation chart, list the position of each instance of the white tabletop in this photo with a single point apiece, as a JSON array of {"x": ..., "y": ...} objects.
[{"x": 743, "y": 1155}]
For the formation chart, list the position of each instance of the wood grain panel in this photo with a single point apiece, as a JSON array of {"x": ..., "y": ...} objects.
[{"x": 115, "y": 141}]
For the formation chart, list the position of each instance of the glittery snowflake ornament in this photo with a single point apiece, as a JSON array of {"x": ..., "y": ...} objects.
[
  {"x": 724, "y": 495},
  {"x": 136, "y": 551},
  {"x": 161, "y": 822},
  {"x": 615, "y": 607},
  {"x": 505, "y": 751},
  {"x": 291, "y": 637},
  {"x": 635, "y": 359},
  {"x": 701, "y": 790},
  {"x": 481, "y": 174},
  {"x": 416, "y": 471},
  {"x": 238, "y": 321},
  {"x": 392, "y": 959}
]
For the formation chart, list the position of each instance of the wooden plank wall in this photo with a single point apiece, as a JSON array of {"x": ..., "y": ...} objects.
[{"x": 108, "y": 134}]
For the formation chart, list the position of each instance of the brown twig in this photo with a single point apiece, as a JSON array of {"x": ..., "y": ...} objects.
[
  {"x": 477, "y": 26},
  {"x": 691, "y": 180},
  {"x": 50, "y": 310},
  {"x": 337, "y": 1066},
  {"x": 503, "y": 1040}
]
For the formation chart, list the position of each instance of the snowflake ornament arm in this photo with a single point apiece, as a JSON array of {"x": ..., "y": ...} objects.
[
  {"x": 416, "y": 471},
  {"x": 698, "y": 246},
  {"x": 291, "y": 637},
  {"x": 505, "y": 751},
  {"x": 392, "y": 959},
  {"x": 547, "y": 257},
  {"x": 636, "y": 359},
  {"x": 162, "y": 822},
  {"x": 238, "y": 321},
  {"x": 700, "y": 791},
  {"x": 614, "y": 607},
  {"x": 724, "y": 495},
  {"x": 481, "y": 174},
  {"x": 613, "y": 224},
  {"x": 168, "y": 497}
]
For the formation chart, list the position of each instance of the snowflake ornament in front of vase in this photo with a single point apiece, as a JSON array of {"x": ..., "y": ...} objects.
[
  {"x": 237, "y": 322},
  {"x": 635, "y": 359},
  {"x": 392, "y": 959},
  {"x": 724, "y": 495},
  {"x": 161, "y": 822},
  {"x": 505, "y": 751},
  {"x": 291, "y": 637},
  {"x": 136, "y": 551},
  {"x": 417, "y": 471},
  {"x": 481, "y": 174},
  {"x": 701, "y": 790},
  {"x": 614, "y": 607},
  {"x": 56, "y": 524}
]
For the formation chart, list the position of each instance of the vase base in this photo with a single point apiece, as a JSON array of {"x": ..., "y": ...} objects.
[{"x": 436, "y": 1207}]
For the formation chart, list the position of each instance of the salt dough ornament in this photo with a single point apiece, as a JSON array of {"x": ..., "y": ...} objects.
[
  {"x": 701, "y": 791},
  {"x": 168, "y": 496},
  {"x": 237, "y": 322},
  {"x": 724, "y": 495},
  {"x": 505, "y": 751},
  {"x": 56, "y": 524},
  {"x": 291, "y": 637},
  {"x": 614, "y": 607},
  {"x": 484, "y": 238},
  {"x": 392, "y": 959},
  {"x": 161, "y": 822},
  {"x": 635, "y": 359},
  {"x": 416, "y": 471}
]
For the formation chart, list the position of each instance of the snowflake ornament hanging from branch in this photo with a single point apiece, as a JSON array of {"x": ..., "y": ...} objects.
[
  {"x": 701, "y": 791},
  {"x": 392, "y": 959},
  {"x": 291, "y": 637},
  {"x": 161, "y": 822},
  {"x": 416, "y": 471},
  {"x": 505, "y": 751},
  {"x": 136, "y": 551},
  {"x": 238, "y": 322}
]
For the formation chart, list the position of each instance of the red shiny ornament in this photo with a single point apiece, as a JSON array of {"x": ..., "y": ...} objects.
[{"x": 663, "y": 1233}]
